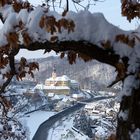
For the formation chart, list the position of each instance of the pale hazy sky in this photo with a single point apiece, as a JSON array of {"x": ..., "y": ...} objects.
[{"x": 112, "y": 12}]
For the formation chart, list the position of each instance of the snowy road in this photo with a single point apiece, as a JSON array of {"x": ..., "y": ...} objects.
[{"x": 42, "y": 132}]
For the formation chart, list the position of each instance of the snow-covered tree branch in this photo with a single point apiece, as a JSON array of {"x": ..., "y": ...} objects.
[{"x": 82, "y": 34}]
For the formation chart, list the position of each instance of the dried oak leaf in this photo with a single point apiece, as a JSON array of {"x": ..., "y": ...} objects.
[
  {"x": 3, "y": 61},
  {"x": 33, "y": 66},
  {"x": 62, "y": 23},
  {"x": 120, "y": 67},
  {"x": 26, "y": 39},
  {"x": 130, "y": 9},
  {"x": 106, "y": 45},
  {"x": 53, "y": 39},
  {"x": 12, "y": 39},
  {"x": 72, "y": 57},
  {"x": 7, "y": 75},
  {"x": 5, "y": 101},
  {"x": 31, "y": 73},
  {"x": 26, "y": 5},
  {"x": 125, "y": 39},
  {"x": 42, "y": 22},
  {"x": 71, "y": 26},
  {"x": 66, "y": 24},
  {"x": 86, "y": 58},
  {"x": 4, "y": 2},
  {"x": 22, "y": 74},
  {"x": 23, "y": 61},
  {"x": 62, "y": 55},
  {"x": 50, "y": 24},
  {"x": 17, "y": 6}
]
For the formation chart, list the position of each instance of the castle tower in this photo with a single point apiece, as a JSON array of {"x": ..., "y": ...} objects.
[{"x": 54, "y": 73}]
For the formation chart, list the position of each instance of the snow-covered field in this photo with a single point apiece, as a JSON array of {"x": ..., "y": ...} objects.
[{"x": 34, "y": 119}]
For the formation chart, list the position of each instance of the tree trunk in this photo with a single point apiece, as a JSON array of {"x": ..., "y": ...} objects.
[{"x": 128, "y": 125}]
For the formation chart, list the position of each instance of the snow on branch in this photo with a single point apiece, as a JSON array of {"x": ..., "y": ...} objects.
[{"x": 27, "y": 25}]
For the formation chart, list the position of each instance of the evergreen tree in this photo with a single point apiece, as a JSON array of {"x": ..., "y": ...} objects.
[{"x": 82, "y": 123}]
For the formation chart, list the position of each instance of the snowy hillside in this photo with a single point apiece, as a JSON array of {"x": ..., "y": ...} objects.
[{"x": 86, "y": 74}]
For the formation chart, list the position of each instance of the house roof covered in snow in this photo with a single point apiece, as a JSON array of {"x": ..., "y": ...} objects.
[
  {"x": 74, "y": 82},
  {"x": 56, "y": 97},
  {"x": 65, "y": 99},
  {"x": 61, "y": 78},
  {"x": 90, "y": 106},
  {"x": 50, "y": 94},
  {"x": 77, "y": 95},
  {"x": 57, "y": 87},
  {"x": 39, "y": 86}
]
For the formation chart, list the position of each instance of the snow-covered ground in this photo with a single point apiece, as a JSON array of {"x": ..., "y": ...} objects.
[
  {"x": 102, "y": 124},
  {"x": 62, "y": 130},
  {"x": 34, "y": 119}
]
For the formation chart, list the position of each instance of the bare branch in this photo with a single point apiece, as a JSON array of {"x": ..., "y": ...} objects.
[
  {"x": 91, "y": 50},
  {"x": 12, "y": 67}
]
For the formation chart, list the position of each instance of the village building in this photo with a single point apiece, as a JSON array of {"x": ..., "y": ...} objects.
[
  {"x": 50, "y": 95},
  {"x": 78, "y": 96},
  {"x": 59, "y": 84},
  {"x": 64, "y": 103}
]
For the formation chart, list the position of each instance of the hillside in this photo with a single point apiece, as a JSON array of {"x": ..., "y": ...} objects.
[{"x": 87, "y": 74}]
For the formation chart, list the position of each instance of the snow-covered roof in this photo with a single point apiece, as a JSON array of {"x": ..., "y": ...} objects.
[
  {"x": 51, "y": 94},
  {"x": 13, "y": 93},
  {"x": 89, "y": 106},
  {"x": 65, "y": 99},
  {"x": 20, "y": 91},
  {"x": 74, "y": 82},
  {"x": 56, "y": 97},
  {"x": 56, "y": 87},
  {"x": 39, "y": 86},
  {"x": 95, "y": 117},
  {"x": 77, "y": 95},
  {"x": 50, "y": 79},
  {"x": 100, "y": 131},
  {"x": 65, "y": 77},
  {"x": 60, "y": 78}
]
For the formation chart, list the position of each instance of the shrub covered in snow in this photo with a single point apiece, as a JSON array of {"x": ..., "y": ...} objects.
[{"x": 12, "y": 129}]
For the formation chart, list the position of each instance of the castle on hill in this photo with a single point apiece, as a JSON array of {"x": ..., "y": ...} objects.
[{"x": 59, "y": 84}]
